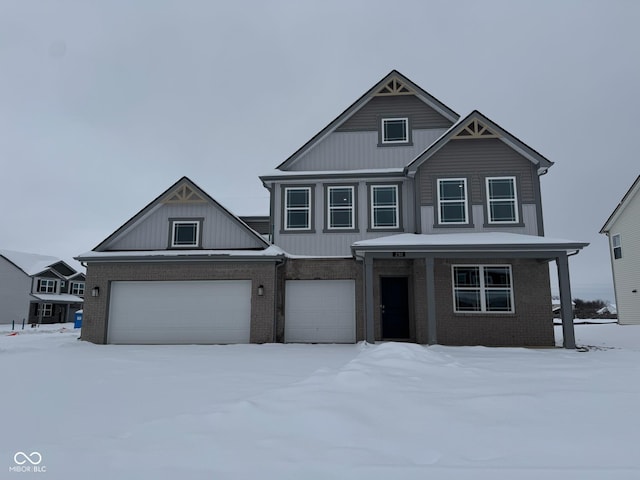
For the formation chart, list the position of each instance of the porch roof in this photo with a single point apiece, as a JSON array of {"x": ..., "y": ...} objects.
[
  {"x": 55, "y": 298},
  {"x": 466, "y": 242}
]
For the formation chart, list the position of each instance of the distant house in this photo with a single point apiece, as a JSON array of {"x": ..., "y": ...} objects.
[
  {"x": 38, "y": 288},
  {"x": 397, "y": 221},
  {"x": 623, "y": 230}
]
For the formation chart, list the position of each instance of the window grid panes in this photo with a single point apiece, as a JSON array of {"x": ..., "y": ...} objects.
[
  {"x": 45, "y": 309},
  {"x": 452, "y": 201},
  {"x": 617, "y": 246},
  {"x": 482, "y": 289},
  {"x": 384, "y": 206},
  {"x": 395, "y": 130},
  {"x": 341, "y": 208},
  {"x": 298, "y": 208},
  {"x": 502, "y": 200},
  {"x": 77, "y": 288},
  {"x": 47, "y": 286},
  {"x": 185, "y": 234}
]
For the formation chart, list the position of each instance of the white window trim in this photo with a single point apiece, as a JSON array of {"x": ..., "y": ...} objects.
[
  {"x": 174, "y": 223},
  {"x": 46, "y": 290},
  {"x": 618, "y": 246},
  {"x": 515, "y": 201},
  {"x": 352, "y": 208},
  {"x": 483, "y": 288},
  {"x": 43, "y": 308},
  {"x": 373, "y": 208},
  {"x": 465, "y": 200},
  {"x": 75, "y": 287},
  {"x": 287, "y": 209},
  {"x": 406, "y": 124}
]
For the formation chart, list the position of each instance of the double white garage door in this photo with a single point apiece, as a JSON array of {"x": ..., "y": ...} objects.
[{"x": 219, "y": 311}]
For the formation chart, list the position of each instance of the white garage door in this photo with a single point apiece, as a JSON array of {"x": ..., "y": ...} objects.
[
  {"x": 320, "y": 311},
  {"x": 180, "y": 312}
]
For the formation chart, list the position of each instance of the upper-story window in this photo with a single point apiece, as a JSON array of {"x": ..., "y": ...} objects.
[
  {"x": 384, "y": 206},
  {"x": 77, "y": 288},
  {"x": 452, "y": 201},
  {"x": 502, "y": 200},
  {"x": 395, "y": 130},
  {"x": 297, "y": 208},
  {"x": 47, "y": 285},
  {"x": 482, "y": 288},
  {"x": 185, "y": 233},
  {"x": 616, "y": 243},
  {"x": 340, "y": 208}
]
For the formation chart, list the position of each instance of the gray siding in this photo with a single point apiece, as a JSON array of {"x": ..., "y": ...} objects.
[
  {"x": 421, "y": 114},
  {"x": 359, "y": 150},
  {"x": 15, "y": 287},
  {"x": 477, "y": 159},
  {"x": 529, "y": 219},
  {"x": 321, "y": 243},
  {"x": 219, "y": 230}
]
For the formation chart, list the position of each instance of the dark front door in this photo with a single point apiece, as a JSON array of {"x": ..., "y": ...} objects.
[{"x": 394, "y": 307}]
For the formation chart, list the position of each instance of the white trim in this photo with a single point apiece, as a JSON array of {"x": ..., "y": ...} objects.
[
  {"x": 395, "y": 119},
  {"x": 464, "y": 200},
  {"x": 287, "y": 208},
  {"x": 515, "y": 200},
  {"x": 372, "y": 207},
  {"x": 341, "y": 208},
  {"x": 43, "y": 308},
  {"x": 617, "y": 236},
  {"x": 76, "y": 291},
  {"x": 54, "y": 288},
  {"x": 176, "y": 223},
  {"x": 483, "y": 289}
]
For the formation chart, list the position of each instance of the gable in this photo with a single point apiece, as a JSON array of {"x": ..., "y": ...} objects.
[
  {"x": 631, "y": 197},
  {"x": 151, "y": 228}
]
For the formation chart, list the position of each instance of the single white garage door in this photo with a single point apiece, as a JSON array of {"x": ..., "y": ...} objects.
[
  {"x": 183, "y": 312},
  {"x": 320, "y": 311}
]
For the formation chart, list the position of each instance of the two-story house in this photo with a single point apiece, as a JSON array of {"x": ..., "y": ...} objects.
[
  {"x": 38, "y": 288},
  {"x": 397, "y": 221}
]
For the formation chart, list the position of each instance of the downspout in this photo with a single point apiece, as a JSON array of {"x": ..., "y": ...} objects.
[{"x": 279, "y": 263}]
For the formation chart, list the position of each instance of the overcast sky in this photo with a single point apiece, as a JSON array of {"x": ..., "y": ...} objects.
[{"x": 104, "y": 104}]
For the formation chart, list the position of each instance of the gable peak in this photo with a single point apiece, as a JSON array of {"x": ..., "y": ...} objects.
[
  {"x": 184, "y": 193},
  {"x": 475, "y": 129},
  {"x": 394, "y": 87}
]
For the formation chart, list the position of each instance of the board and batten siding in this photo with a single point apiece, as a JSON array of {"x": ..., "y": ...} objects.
[
  {"x": 360, "y": 150},
  {"x": 626, "y": 270},
  {"x": 368, "y": 117},
  {"x": 219, "y": 230},
  {"x": 475, "y": 160},
  {"x": 15, "y": 287},
  {"x": 322, "y": 243}
]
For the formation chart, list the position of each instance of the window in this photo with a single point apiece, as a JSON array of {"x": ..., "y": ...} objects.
[
  {"x": 340, "y": 207},
  {"x": 384, "y": 206},
  {"x": 47, "y": 286},
  {"x": 45, "y": 310},
  {"x": 185, "y": 233},
  {"x": 502, "y": 200},
  {"x": 297, "y": 208},
  {"x": 77, "y": 288},
  {"x": 617, "y": 246},
  {"x": 452, "y": 201},
  {"x": 482, "y": 288},
  {"x": 395, "y": 130}
]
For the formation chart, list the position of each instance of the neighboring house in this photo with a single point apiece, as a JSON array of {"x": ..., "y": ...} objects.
[
  {"x": 623, "y": 230},
  {"x": 556, "y": 306},
  {"x": 182, "y": 270},
  {"x": 38, "y": 288},
  {"x": 400, "y": 221}
]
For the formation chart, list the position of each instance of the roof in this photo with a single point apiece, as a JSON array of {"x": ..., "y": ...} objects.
[
  {"x": 31, "y": 263},
  {"x": 467, "y": 242},
  {"x": 363, "y": 100},
  {"x": 509, "y": 139},
  {"x": 621, "y": 206},
  {"x": 271, "y": 253},
  {"x": 184, "y": 181},
  {"x": 55, "y": 298}
]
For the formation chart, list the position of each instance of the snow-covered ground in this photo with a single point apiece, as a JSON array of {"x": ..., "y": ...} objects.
[{"x": 306, "y": 412}]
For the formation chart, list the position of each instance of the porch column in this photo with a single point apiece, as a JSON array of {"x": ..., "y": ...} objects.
[
  {"x": 368, "y": 300},
  {"x": 431, "y": 302},
  {"x": 566, "y": 309}
]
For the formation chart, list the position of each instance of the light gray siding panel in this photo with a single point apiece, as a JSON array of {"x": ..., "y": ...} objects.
[
  {"x": 359, "y": 150},
  {"x": 477, "y": 159},
  {"x": 15, "y": 287},
  {"x": 626, "y": 270},
  {"x": 421, "y": 114},
  {"x": 219, "y": 231},
  {"x": 528, "y": 213}
]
